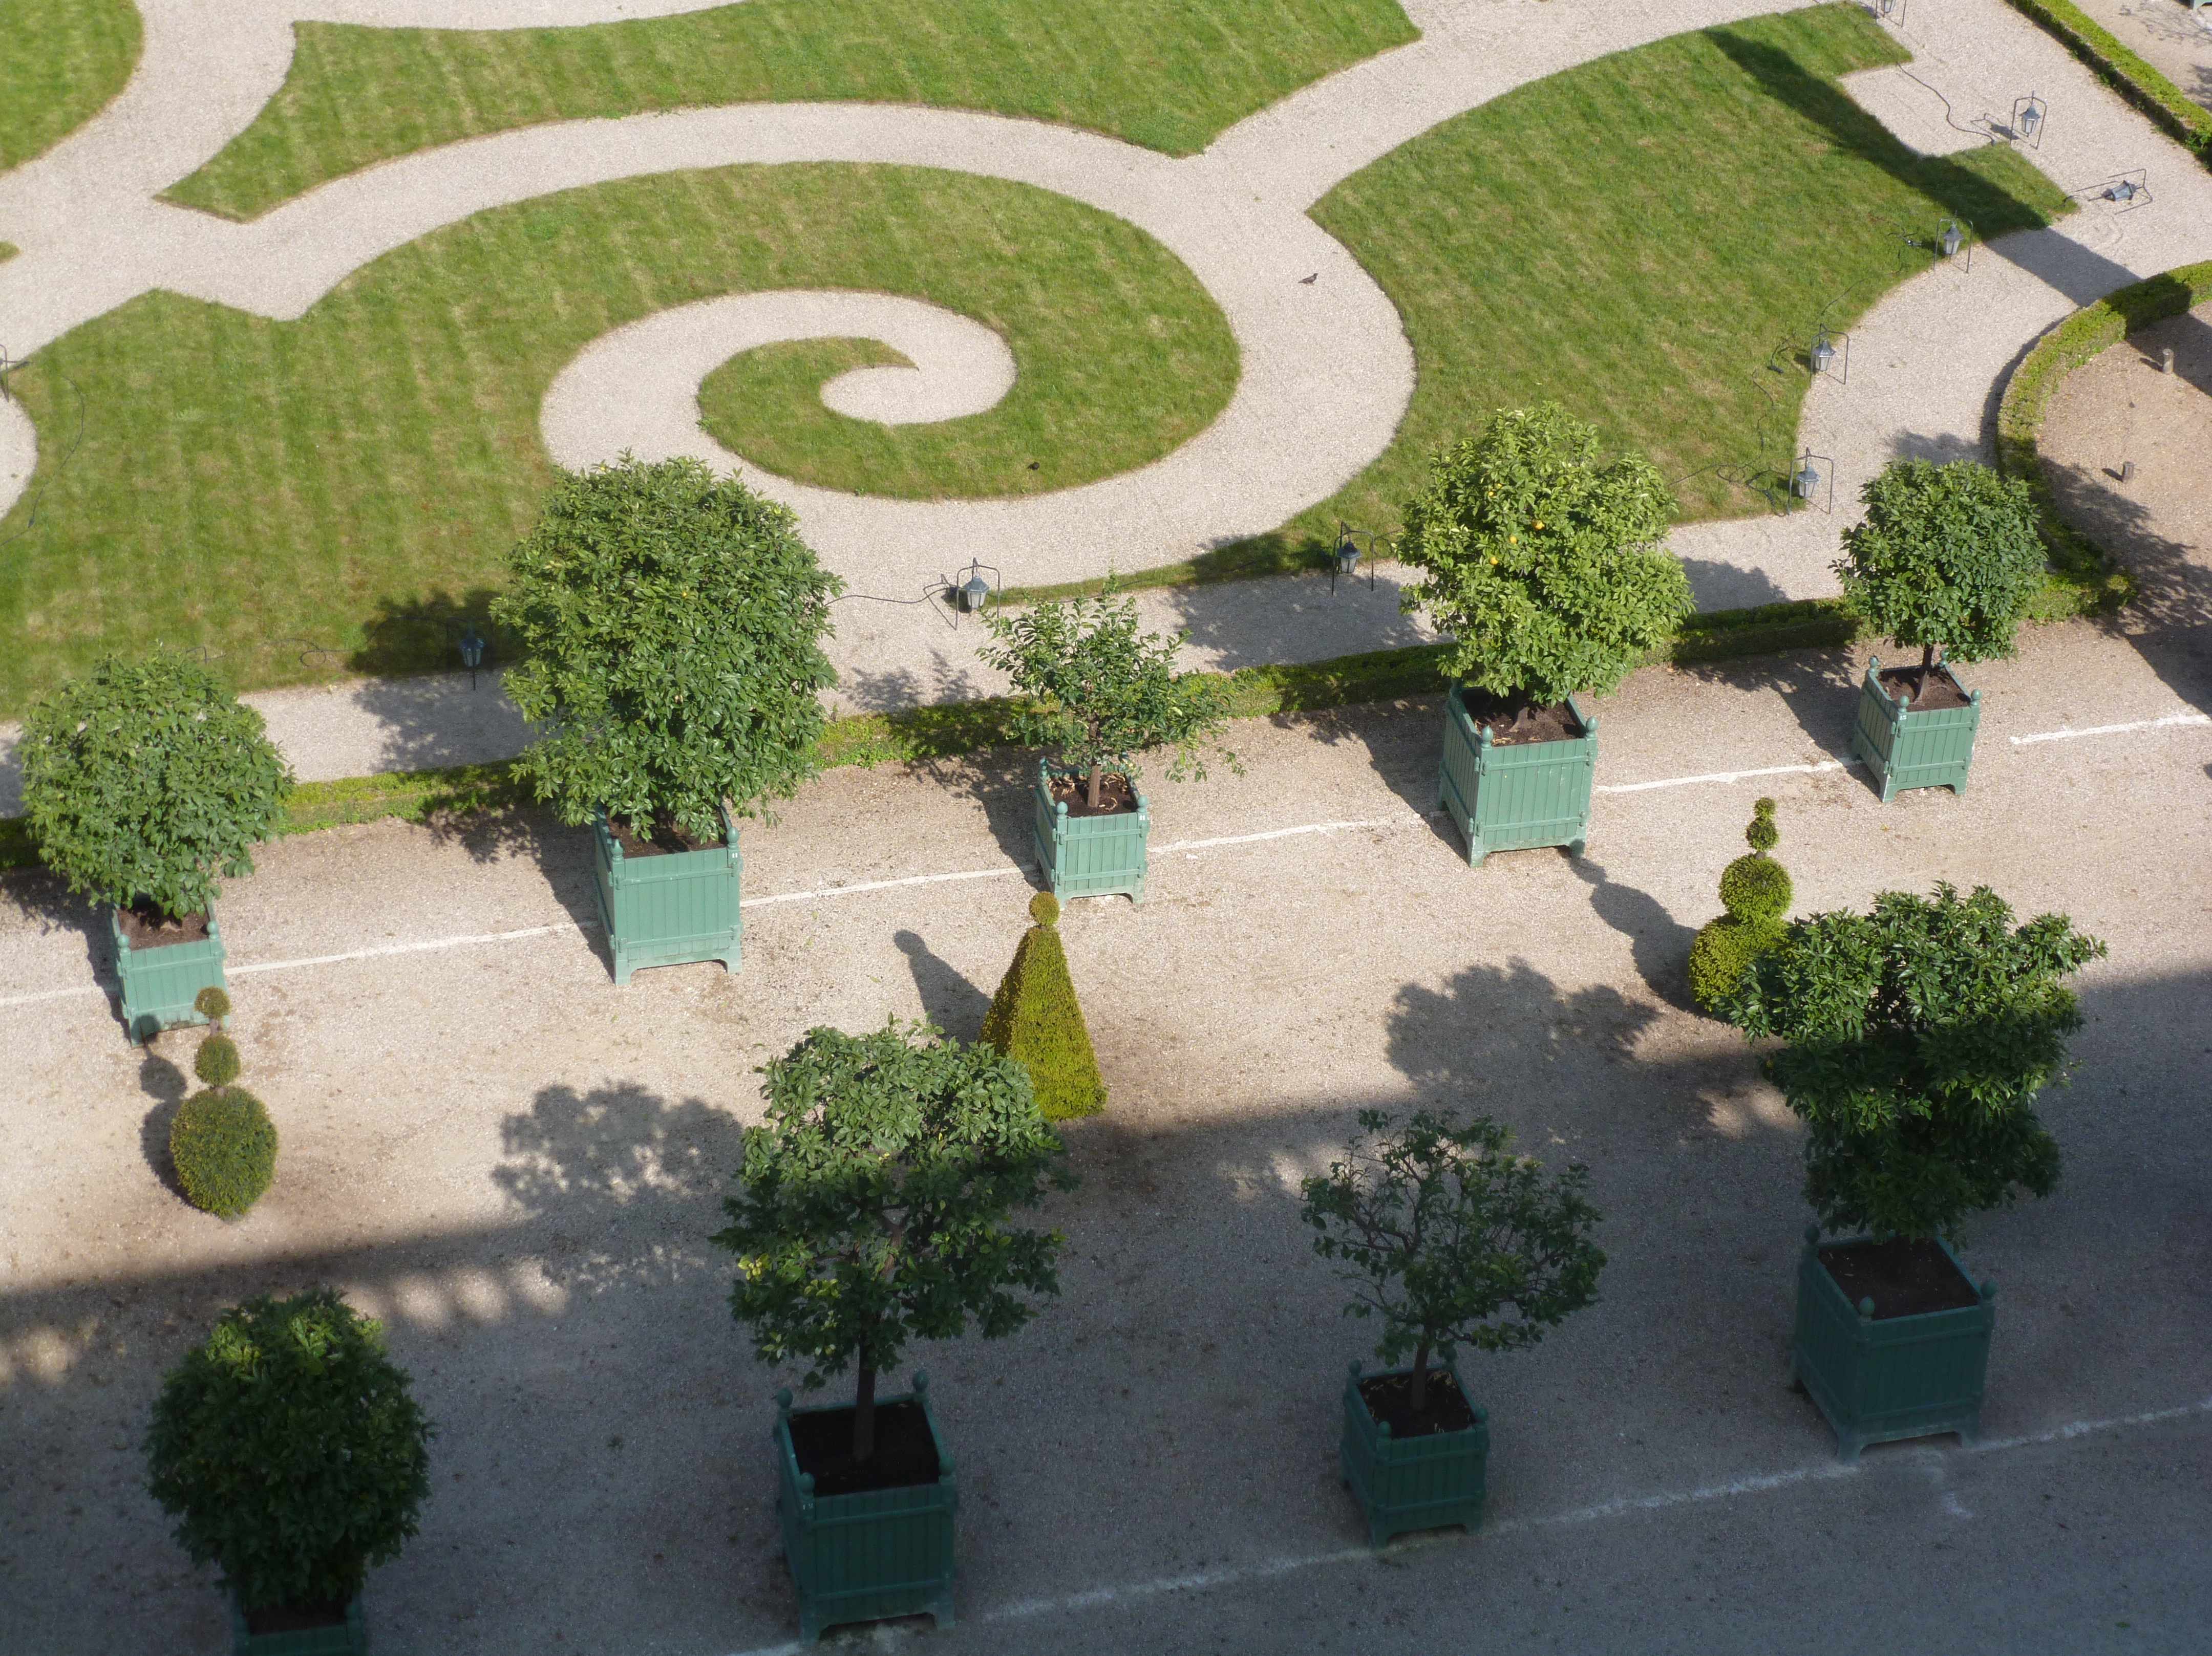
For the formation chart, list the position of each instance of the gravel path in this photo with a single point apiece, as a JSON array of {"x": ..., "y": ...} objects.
[{"x": 1327, "y": 370}]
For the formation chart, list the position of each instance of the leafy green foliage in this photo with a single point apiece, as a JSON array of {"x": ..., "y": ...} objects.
[
  {"x": 1036, "y": 1020},
  {"x": 1721, "y": 953},
  {"x": 1542, "y": 559},
  {"x": 672, "y": 627},
  {"x": 1948, "y": 557},
  {"x": 1099, "y": 691},
  {"x": 1445, "y": 1232},
  {"x": 216, "y": 1062},
  {"x": 1755, "y": 887},
  {"x": 146, "y": 778},
  {"x": 1918, "y": 1036},
  {"x": 224, "y": 1147},
  {"x": 874, "y": 1204},
  {"x": 289, "y": 1450}
]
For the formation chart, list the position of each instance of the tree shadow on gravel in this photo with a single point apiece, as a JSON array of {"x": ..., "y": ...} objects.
[
  {"x": 1820, "y": 688},
  {"x": 627, "y": 1186},
  {"x": 948, "y": 1000},
  {"x": 166, "y": 1085},
  {"x": 1404, "y": 738},
  {"x": 1658, "y": 943}
]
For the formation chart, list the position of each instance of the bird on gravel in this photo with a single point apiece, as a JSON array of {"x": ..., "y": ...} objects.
[{"x": 1308, "y": 281}]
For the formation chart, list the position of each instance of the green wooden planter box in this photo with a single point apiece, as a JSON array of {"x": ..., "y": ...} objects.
[
  {"x": 1412, "y": 1483},
  {"x": 1933, "y": 748},
  {"x": 669, "y": 910},
  {"x": 1898, "y": 1377},
  {"x": 1510, "y": 797},
  {"x": 865, "y": 1556},
  {"x": 349, "y": 1638},
  {"x": 160, "y": 984},
  {"x": 1090, "y": 855}
]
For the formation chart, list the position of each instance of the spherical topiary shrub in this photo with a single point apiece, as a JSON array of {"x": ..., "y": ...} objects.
[
  {"x": 1755, "y": 887},
  {"x": 224, "y": 1146},
  {"x": 1723, "y": 952},
  {"x": 216, "y": 1062},
  {"x": 1044, "y": 908}
]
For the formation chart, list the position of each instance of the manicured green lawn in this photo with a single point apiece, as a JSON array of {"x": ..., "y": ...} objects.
[
  {"x": 60, "y": 62},
  {"x": 1168, "y": 73},
  {"x": 1651, "y": 239},
  {"x": 352, "y": 480}
]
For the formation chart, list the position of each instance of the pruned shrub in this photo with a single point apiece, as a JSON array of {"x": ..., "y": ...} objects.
[
  {"x": 216, "y": 1062},
  {"x": 213, "y": 1004},
  {"x": 1723, "y": 952},
  {"x": 1755, "y": 891},
  {"x": 289, "y": 1450},
  {"x": 224, "y": 1147},
  {"x": 1755, "y": 887},
  {"x": 1036, "y": 1019}
]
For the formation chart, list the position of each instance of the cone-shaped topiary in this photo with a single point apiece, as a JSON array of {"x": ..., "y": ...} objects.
[
  {"x": 224, "y": 1146},
  {"x": 1034, "y": 1019},
  {"x": 1755, "y": 890},
  {"x": 216, "y": 1062}
]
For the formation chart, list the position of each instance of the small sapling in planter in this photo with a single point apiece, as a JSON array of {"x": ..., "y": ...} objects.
[
  {"x": 671, "y": 626},
  {"x": 1755, "y": 894},
  {"x": 1452, "y": 1241},
  {"x": 1097, "y": 694},
  {"x": 874, "y": 1209},
  {"x": 1544, "y": 561},
  {"x": 1947, "y": 559},
  {"x": 143, "y": 781},
  {"x": 295, "y": 1459},
  {"x": 1916, "y": 1038}
]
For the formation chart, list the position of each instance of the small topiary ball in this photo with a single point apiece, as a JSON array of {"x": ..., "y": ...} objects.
[
  {"x": 1755, "y": 887},
  {"x": 224, "y": 1146},
  {"x": 1723, "y": 953},
  {"x": 1044, "y": 908},
  {"x": 212, "y": 1004},
  {"x": 1762, "y": 835},
  {"x": 216, "y": 1062}
]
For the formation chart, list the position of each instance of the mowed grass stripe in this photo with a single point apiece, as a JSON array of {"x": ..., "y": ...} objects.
[
  {"x": 1167, "y": 73},
  {"x": 61, "y": 61},
  {"x": 355, "y": 478}
]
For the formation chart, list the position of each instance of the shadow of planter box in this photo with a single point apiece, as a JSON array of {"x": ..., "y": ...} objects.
[
  {"x": 670, "y": 910},
  {"x": 1090, "y": 855},
  {"x": 160, "y": 984},
  {"x": 1414, "y": 1482},
  {"x": 346, "y": 1638},
  {"x": 861, "y": 1557},
  {"x": 1511, "y": 796},
  {"x": 1878, "y": 1380},
  {"x": 1933, "y": 748}
]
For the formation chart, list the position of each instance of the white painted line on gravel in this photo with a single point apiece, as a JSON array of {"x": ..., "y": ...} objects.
[
  {"x": 2170, "y": 720},
  {"x": 883, "y": 885},
  {"x": 383, "y": 949},
  {"x": 1618, "y": 1507},
  {"x": 1727, "y": 776}
]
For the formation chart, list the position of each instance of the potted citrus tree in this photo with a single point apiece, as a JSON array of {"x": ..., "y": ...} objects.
[
  {"x": 295, "y": 1459},
  {"x": 1947, "y": 559},
  {"x": 670, "y": 624},
  {"x": 874, "y": 1207},
  {"x": 1097, "y": 694},
  {"x": 1450, "y": 1239},
  {"x": 143, "y": 781},
  {"x": 1915, "y": 1038},
  {"x": 1542, "y": 560}
]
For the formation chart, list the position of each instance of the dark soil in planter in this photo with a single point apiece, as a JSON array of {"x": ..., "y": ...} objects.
[
  {"x": 145, "y": 926},
  {"x": 1942, "y": 691},
  {"x": 1512, "y": 723},
  {"x": 1114, "y": 795},
  {"x": 906, "y": 1452},
  {"x": 666, "y": 837},
  {"x": 296, "y": 1618},
  {"x": 1902, "y": 1277},
  {"x": 1388, "y": 1399}
]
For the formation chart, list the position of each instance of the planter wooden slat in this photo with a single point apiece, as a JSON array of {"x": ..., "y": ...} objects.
[
  {"x": 1416, "y": 1483},
  {"x": 670, "y": 910},
  {"x": 1513, "y": 796},
  {"x": 879, "y": 1553},
  {"x": 1090, "y": 855},
  {"x": 1929, "y": 748},
  {"x": 348, "y": 1638},
  {"x": 1879, "y": 1380},
  {"x": 160, "y": 984}
]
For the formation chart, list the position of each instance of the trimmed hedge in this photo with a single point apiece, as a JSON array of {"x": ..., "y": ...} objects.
[
  {"x": 1723, "y": 952},
  {"x": 2139, "y": 84},
  {"x": 224, "y": 1147},
  {"x": 2081, "y": 568},
  {"x": 1036, "y": 1020}
]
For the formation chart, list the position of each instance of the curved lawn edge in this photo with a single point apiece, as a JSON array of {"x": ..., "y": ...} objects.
[
  {"x": 2085, "y": 578},
  {"x": 1155, "y": 73},
  {"x": 2150, "y": 93},
  {"x": 88, "y": 50}
]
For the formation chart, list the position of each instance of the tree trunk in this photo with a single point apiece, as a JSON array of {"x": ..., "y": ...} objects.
[
  {"x": 864, "y": 1411},
  {"x": 1097, "y": 776},
  {"x": 1417, "y": 1393},
  {"x": 1927, "y": 663}
]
